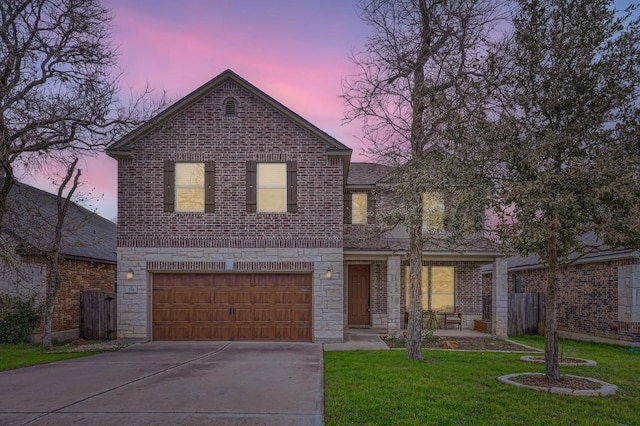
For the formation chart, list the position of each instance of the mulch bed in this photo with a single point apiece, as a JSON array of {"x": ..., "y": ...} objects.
[
  {"x": 574, "y": 383},
  {"x": 461, "y": 343}
]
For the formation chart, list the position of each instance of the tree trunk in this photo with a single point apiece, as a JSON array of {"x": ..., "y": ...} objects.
[
  {"x": 414, "y": 328},
  {"x": 53, "y": 274},
  {"x": 53, "y": 279},
  {"x": 551, "y": 321}
]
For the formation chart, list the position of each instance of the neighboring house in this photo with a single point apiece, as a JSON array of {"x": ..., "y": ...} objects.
[
  {"x": 239, "y": 219},
  {"x": 88, "y": 254},
  {"x": 598, "y": 293}
]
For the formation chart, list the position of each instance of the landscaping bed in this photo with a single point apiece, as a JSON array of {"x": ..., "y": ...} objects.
[{"x": 461, "y": 343}]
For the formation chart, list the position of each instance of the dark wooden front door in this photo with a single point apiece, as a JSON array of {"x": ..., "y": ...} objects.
[
  {"x": 232, "y": 307},
  {"x": 359, "y": 295}
]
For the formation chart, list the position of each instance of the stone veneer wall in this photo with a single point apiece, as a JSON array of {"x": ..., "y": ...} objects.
[{"x": 134, "y": 296}]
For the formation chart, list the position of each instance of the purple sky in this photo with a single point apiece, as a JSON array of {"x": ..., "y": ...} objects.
[{"x": 294, "y": 50}]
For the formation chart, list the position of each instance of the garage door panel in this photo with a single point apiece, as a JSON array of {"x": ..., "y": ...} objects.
[
  {"x": 232, "y": 307},
  {"x": 261, "y": 315}
]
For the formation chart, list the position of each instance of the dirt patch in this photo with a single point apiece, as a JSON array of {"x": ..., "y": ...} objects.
[
  {"x": 575, "y": 383},
  {"x": 461, "y": 343},
  {"x": 81, "y": 345}
]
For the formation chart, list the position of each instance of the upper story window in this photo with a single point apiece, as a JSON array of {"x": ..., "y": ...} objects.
[
  {"x": 189, "y": 187},
  {"x": 359, "y": 208},
  {"x": 230, "y": 109},
  {"x": 432, "y": 211},
  {"x": 272, "y": 187}
]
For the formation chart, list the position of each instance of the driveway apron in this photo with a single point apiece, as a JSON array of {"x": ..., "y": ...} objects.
[{"x": 167, "y": 383}]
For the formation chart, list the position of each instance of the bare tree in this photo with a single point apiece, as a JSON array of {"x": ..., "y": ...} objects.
[
  {"x": 415, "y": 83},
  {"x": 59, "y": 85},
  {"x": 52, "y": 254},
  {"x": 564, "y": 152}
]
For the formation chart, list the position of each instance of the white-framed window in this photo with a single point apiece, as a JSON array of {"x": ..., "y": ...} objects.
[
  {"x": 189, "y": 187},
  {"x": 432, "y": 212},
  {"x": 271, "y": 182},
  {"x": 438, "y": 288},
  {"x": 359, "y": 208}
]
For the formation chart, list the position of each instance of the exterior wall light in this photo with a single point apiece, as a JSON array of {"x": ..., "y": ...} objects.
[
  {"x": 329, "y": 273},
  {"x": 129, "y": 274}
]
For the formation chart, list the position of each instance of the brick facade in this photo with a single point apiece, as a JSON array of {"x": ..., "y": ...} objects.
[
  {"x": 588, "y": 297},
  {"x": 309, "y": 239},
  {"x": 201, "y": 133},
  {"x": 77, "y": 276}
]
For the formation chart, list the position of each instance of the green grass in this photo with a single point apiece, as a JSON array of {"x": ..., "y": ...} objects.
[
  {"x": 16, "y": 356},
  {"x": 453, "y": 388}
]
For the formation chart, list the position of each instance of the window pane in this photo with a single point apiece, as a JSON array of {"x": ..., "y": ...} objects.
[
  {"x": 272, "y": 200},
  {"x": 190, "y": 174},
  {"x": 359, "y": 208},
  {"x": 272, "y": 175},
  {"x": 190, "y": 199},
  {"x": 442, "y": 302},
  {"x": 442, "y": 288},
  {"x": 432, "y": 211}
]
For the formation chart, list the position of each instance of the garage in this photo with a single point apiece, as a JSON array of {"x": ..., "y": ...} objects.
[{"x": 267, "y": 307}]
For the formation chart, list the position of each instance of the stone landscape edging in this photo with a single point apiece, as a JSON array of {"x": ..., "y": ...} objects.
[
  {"x": 540, "y": 360},
  {"x": 605, "y": 388}
]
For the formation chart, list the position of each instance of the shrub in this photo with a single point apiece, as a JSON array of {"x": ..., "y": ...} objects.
[{"x": 18, "y": 318}]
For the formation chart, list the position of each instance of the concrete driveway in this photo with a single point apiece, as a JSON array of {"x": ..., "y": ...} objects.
[{"x": 172, "y": 383}]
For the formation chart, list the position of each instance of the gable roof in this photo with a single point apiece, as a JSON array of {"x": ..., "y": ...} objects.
[
  {"x": 122, "y": 147},
  {"x": 32, "y": 215},
  {"x": 365, "y": 174}
]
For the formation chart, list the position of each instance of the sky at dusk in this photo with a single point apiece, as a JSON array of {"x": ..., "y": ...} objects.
[{"x": 294, "y": 50}]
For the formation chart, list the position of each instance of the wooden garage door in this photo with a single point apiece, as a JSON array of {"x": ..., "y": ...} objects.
[{"x": 232, "y": 307}]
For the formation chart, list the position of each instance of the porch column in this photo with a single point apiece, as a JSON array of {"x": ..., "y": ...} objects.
[
  {"x": 500, "y": 301},
  {"x": 393, "y": 295}
]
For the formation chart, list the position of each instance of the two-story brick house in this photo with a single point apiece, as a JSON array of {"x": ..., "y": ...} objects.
[{"x": 233, "y": 224}]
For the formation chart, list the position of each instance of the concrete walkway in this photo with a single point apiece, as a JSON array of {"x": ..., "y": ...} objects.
[{"x": 168, "y": 383}]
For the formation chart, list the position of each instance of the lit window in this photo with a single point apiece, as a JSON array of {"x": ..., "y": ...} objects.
[
  {"x": 437, "y": 283},
  {"x": 359, "y": 208},
  {"x": 432, "y": 211},
  {"x": 272, "y": 187},
  {"x": 190, "y": 187}
]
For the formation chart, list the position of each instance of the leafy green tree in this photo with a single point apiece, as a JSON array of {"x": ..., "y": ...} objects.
[{"x": 564, "y": 151}]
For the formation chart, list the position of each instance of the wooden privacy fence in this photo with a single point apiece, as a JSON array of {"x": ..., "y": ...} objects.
[
  {"x": 98, "y": 315},
  {"x": 526, "y": 312}
]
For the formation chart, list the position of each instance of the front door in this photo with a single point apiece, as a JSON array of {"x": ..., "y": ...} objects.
[{"x": 359, "y": 295}]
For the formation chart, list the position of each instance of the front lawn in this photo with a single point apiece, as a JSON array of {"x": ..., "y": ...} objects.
[
  {"x": 15, "y": 356},
  {"x": 450, "y": 388}
]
